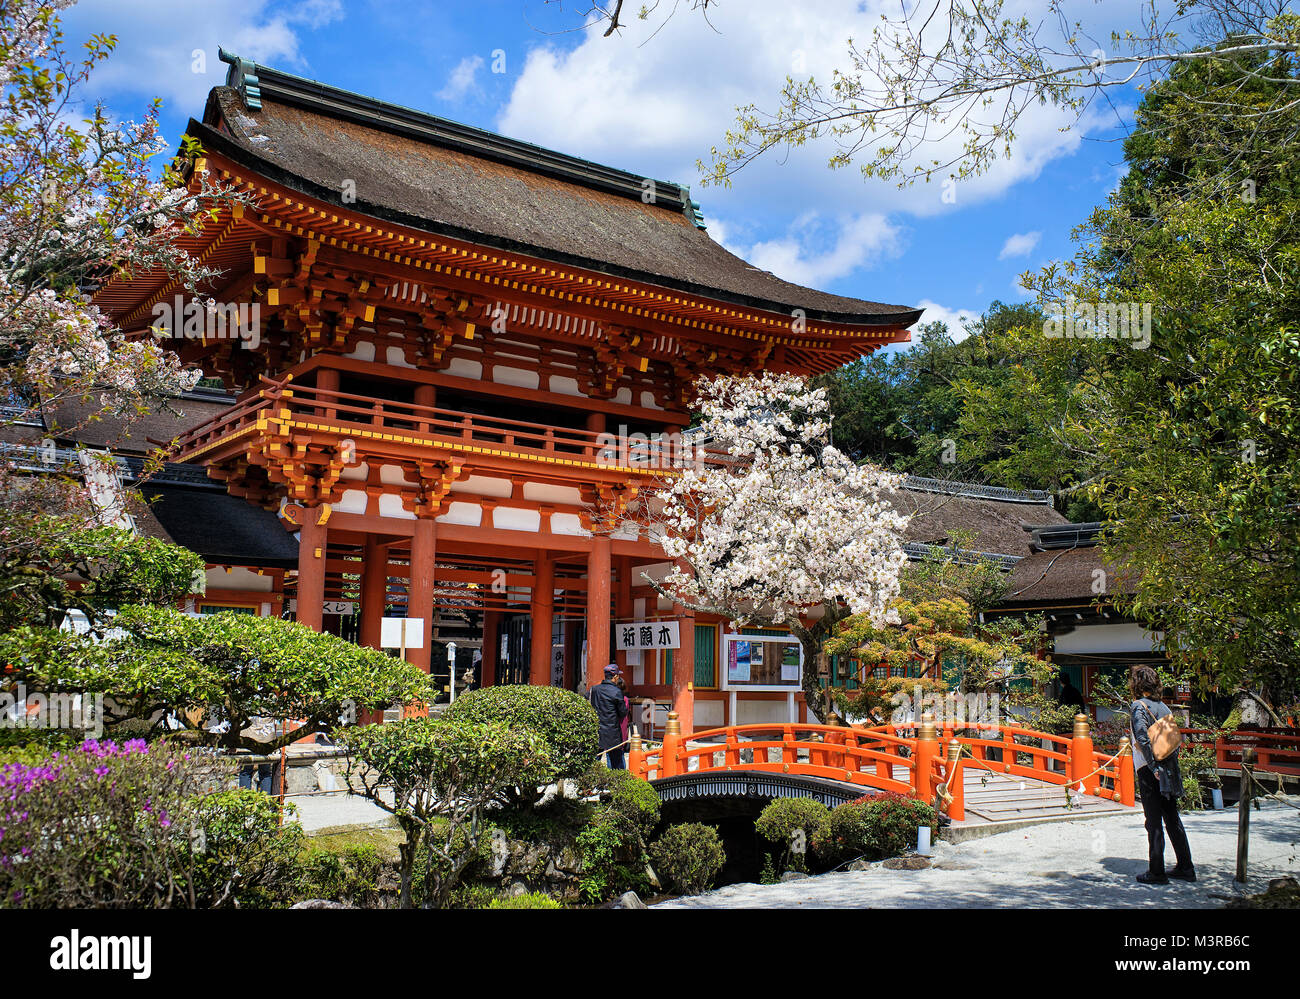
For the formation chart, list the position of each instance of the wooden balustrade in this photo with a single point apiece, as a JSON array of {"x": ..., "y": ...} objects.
[
  {"x": 1275, "y": 751},
  {"x": 337, "y": 411},
  {"x": 922, "y": 765}
]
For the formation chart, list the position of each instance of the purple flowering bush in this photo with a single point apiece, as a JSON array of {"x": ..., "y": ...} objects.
[{"x": 138, "y": 826}]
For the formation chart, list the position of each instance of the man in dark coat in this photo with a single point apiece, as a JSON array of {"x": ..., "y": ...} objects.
[
  {"x": 1069, "y": 695},
  {"x": 611, "y": 708}
]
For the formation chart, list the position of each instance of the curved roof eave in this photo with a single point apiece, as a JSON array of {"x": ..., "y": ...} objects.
[{"x": 211, "y": 139}]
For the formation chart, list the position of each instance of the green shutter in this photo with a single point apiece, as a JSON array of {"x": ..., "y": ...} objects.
[{"x": 706, "y": 655}]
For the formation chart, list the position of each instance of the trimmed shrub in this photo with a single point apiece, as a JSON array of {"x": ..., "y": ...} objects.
[
  {"x": 35, "y": 745},
  {"x": 438, "y": 777},
  {"x": 474, "y": 896},
  {"x": 633, "y": 804},
  {"x": 794, "y": 823},
  {"x": 613, "y": 844},
  {"x": 240, "y": 854},
  {"x": 350, "y": 875},
  {"x": 564, "y": 721},
  {"x": 531, "y": 900},
  {"x": 689, "y": 856},
  {"x": 875, "y": 827}
]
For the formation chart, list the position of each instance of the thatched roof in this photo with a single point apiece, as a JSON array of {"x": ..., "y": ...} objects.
[
  {"x": 996, "y": 518},
  {"x": 463, "y": 182}
]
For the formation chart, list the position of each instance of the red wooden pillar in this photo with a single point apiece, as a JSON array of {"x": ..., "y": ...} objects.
[
  {"x": 684, "y": 670},
  {"x": 425, "y": 395},
  {"x": 374, "y": 591},
  {"x": 543, "y": 613},
  {"x": 598, "y": 566},
  {"x": 327, "y": 379},
  {"x": 623, "y": 603},
  {"x": 374, "y": 596},
  {"x": 491, "y": 642},
  {"x": 311, "y": 568},
  {"x": 420, "y": 592}
]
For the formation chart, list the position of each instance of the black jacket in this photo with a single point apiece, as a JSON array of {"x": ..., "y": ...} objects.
[
  {"x": 1142, "y": 715},
  {"x": 611, "y": 708}
]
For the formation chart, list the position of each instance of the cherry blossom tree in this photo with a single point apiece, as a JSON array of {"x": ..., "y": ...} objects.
[
  {"x": 777, "y": 527},
  {"x": 80, "y": 201}
]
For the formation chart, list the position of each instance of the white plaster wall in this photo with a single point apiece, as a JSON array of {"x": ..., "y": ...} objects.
[
  {"x": 509, "y": 518},
  {"x": 755, "y": 712},
  {"x": 468, "y": 514},
  {"x": 238, "y": 578},
  {"x": 1123, "y": 637}
]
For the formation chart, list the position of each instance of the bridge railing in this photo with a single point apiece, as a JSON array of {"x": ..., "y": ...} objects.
[
  {"x": 1275, "y": 751},
  {"x": 927, "y": 765},
  {"x": 855, "y": 756}
]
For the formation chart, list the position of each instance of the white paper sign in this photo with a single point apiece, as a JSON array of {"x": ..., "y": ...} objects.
[
  {"x": 632, "y": 636},
  {"x": 391, "y": 635}
]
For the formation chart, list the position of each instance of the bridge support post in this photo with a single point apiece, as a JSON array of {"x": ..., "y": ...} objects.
[
  {"x": 834, "y": 758},
  {"x": 927, "y": 747},
  {"x": 1081, "y": 756},
  {"x": 1125, "y": 778},
  {"x": 956, "y": 783},
  {"x": 672, "y": 742},
  {"x": 636, "y": 755}
]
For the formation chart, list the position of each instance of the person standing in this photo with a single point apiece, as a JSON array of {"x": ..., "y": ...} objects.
[
  {"x": 625, "y": 725},
  {"x": 1160, "y": 783},
  {"x": 1068, "y": 695},
  {"x": 611, "y": 708}
]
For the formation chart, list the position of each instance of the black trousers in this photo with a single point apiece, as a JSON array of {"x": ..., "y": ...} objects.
[{"x": 1162, "y": 814}]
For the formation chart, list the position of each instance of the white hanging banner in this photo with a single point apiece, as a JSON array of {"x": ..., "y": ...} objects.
[{"x": 638, "y": 636}]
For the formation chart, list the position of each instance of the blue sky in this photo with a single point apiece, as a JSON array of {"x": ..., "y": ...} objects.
[{"x": 652, "y": 104}]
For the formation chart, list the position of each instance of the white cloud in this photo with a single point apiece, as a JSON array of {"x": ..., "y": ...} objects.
[
  {"x": 955, "y": 319},
  {"x": 1020, "y": 245},
  {"x": 462, "y": 80},
  {"x": 157, "y": 41},
  {"x": 658, "y": 104},
  {"x": 815, "y": 251}
]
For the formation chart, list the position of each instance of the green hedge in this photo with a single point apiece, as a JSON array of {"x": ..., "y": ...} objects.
[
  {"x": 874, "y": 827},
  {"x": 795, "y": 824},
  {"x": 689, "y": 856},
  {"x": 562, "y": 719}
]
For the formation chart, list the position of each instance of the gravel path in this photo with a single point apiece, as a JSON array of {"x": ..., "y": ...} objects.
[{"x": 1087, "y": 864}]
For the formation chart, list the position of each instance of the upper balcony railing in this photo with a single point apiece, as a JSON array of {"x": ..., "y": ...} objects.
[{"x": 344, "y": 414}]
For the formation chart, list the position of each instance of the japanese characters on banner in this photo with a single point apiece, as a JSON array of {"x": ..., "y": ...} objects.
[{"x": 639, "y": 636}]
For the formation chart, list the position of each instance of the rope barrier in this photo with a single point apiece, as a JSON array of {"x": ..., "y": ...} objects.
[
  {"x": 1045, "y": 795},
  {"x": 1276, "y": 796}
]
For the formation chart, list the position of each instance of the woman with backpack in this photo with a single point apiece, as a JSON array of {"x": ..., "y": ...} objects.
[{"x": 1155, "y": 761}]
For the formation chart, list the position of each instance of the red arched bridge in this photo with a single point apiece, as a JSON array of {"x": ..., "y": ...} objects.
[{"x": 840, "y": 763}]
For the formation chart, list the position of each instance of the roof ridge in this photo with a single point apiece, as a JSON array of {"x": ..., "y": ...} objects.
[
  {"x": 255, "y": 82},
  {"x": 975, "y": 490}
]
